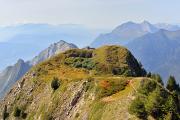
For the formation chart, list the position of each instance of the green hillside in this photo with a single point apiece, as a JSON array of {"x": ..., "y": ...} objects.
[{"x": 85, "y": 84}]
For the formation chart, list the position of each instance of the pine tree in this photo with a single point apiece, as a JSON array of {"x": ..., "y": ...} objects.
[
  {"x": 171, "y": 84},
  {"x": 158, "y": 78},
  {"x": 137, "y": 108},
  {"x": 155, "y": 103}
]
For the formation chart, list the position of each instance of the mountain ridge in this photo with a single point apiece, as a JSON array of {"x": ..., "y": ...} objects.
[
  {"x": 78, "y": 83},
  {"x": 129, "y": 31},
  {"x": 13, "y": 73}
]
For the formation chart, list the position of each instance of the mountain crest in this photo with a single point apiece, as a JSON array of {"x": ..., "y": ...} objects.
[
  {"x": 53, "y": 49},
  {"x": 13, "y": 73}
]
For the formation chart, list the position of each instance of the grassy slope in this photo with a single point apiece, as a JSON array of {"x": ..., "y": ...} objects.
[{"x": 100, "y": 96}]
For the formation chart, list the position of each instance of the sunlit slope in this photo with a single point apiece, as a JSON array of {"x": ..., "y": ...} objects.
[{"x": 94, "y": 84}]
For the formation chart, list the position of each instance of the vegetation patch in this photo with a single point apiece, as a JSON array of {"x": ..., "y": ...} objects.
[
  {"x": 17, "y": 111},
  {"x": 96, "y": 110},
  {"x": 79, "y": 62},
  {"x": 5, "y": 113},
  {"x": 108, "y": 87},
  {"x": 55, "y": 83},
  {"x": 156, "y": 101}
]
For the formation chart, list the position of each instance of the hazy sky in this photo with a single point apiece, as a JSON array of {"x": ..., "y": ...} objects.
[{"x": 92, "y": 13}]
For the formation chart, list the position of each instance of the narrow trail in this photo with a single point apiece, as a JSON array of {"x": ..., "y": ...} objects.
[{"x": 130, "y": 83}]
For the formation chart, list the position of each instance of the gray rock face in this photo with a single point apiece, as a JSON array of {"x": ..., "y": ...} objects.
[
  {"x": 52, "y": 50},
  {"x": 11, "y": 74}
]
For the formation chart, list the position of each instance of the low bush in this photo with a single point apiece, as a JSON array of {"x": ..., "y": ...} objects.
[
  {"x": 5, "y": 113},
  {"x": 17, "y": 112},
  {"x": 137, "y": 108},
  {"x": 80, "y": 62},
  {"x": 55, "y": 83}
]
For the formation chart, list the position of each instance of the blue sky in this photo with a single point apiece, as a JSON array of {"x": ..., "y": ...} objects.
[{"x": 92, "y": 13}]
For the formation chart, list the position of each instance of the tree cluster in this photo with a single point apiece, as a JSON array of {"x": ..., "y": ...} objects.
[{"x": 155, "y": 100}]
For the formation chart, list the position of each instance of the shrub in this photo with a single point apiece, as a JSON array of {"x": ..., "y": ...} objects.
[
  {"x": 157, "y": 78},
  {"x": 137, "y": 108},
  {"x": 55, "y": 83},
  {"x": 5, "y": 113},
  {"x": 88, "y": 64},
  {"x": 80, "y": 62},
  {"x": 116, "y": 71},
  {"x": 77, "y": 65},
  {"x": 148, "y": 74},
  {"x": 147, "y": 86},
  {"x": 23, "y": 114},
  {"x": 17, "y": 112},
  {"x": 77, "y": 115}
]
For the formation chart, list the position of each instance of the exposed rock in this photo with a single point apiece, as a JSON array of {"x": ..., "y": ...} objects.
[{"x": 13, "y": 73}]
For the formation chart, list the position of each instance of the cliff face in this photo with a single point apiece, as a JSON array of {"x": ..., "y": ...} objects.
[{"x": 11, "y": 74}]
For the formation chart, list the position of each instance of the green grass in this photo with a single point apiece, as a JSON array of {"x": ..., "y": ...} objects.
[{"x": 96, "y": 110}]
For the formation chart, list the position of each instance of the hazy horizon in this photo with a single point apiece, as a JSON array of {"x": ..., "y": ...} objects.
[{"x": 90, "y": 13}]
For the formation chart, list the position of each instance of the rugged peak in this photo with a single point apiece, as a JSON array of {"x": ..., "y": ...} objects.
[
  {"x": 20, "y": 61},
  {"x": 52, "y": 50},
  {"x": 125, "y": 25},
  {"x": 59, "y": 43},
  {"x": 146, "y": 22},
  {"x": 145, "y": 26}
]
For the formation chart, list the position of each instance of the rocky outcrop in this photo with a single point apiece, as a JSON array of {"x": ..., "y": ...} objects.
[
  {"x": 13, "y": 73},
  {"x": 52, "y": 50}
]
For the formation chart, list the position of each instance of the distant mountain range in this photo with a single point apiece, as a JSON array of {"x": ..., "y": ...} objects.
[
  {"x": 26, "y": 40},
  {"x": 167, "y": 26},
  {"x": 157, "y": 46},
  {"x": 159, "y": 52},
  {"x": 11, "y": 74},
  {"x": 129, "y": 31}
]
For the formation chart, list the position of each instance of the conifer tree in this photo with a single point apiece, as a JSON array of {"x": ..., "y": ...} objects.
[{"x": 171, "y": 84}]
